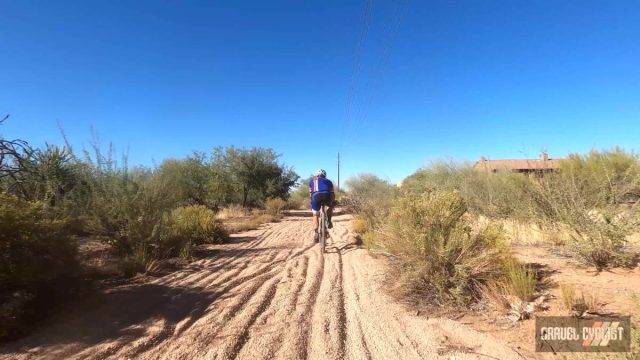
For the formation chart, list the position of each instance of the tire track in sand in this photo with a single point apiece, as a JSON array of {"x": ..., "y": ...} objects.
[{"x": 268, "y": 294}]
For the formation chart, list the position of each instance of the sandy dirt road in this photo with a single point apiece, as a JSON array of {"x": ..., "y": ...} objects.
[{"x": 268, "y": 294}]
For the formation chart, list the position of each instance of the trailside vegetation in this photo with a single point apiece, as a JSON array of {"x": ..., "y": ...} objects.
[
  {"x": 52, "y": 197},
  {"x": 443, "y": 226}
]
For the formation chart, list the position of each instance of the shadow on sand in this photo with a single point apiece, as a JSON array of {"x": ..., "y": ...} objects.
[{"x": 120, "y": 314}]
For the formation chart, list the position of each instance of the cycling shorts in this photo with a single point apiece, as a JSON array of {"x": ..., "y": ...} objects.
[{"x": 318, "y": 199}]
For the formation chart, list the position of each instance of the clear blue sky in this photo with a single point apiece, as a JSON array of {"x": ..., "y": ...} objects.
[{"x": 437, "y": 79}]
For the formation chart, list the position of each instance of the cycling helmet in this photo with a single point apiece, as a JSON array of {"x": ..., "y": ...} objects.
[{"x": 321, "y": 172}]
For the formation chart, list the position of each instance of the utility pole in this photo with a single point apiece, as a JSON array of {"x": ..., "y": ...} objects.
[{"x": 338, "y": 171}]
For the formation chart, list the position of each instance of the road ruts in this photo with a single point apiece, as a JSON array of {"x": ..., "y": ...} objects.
[{"x": 267, "y": 294}]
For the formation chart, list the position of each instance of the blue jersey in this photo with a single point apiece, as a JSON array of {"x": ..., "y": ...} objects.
[{"x": 320, "y": 184}]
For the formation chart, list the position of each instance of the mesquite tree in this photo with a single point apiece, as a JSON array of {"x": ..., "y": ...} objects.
[{"x": 15, "y": 162}]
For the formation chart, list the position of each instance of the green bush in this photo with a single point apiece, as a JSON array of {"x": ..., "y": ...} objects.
[
  {"x": 371, "y": 198},
  {"x": 187, "y": 178},
  {"x": 38, "y": 267},
  {"x": 602, "y": 178},
  {"x": 127, "y": 209},
  {"x": 252, "y": 175},
  {"x": 299, "y": 197},
  {"x": 144, "y": 213},
  {"x": 196, "y": 223},
  {"x": 499, "y": 195},
  {"x": 186, "y": 227},
  {"x": 597, "y": 234},
  {"x": 584, "y": 198},
  {"x": 131, "y": 210},
  {"x": 443, "y": 260}
]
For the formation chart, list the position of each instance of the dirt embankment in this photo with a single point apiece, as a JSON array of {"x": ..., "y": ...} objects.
[{"x": 269, "y": 293}]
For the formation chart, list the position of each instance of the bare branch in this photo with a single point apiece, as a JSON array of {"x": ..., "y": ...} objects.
[{"x": 15, "y": 156}]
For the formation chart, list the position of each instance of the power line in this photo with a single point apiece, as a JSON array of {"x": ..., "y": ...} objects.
[
  {"x": 357, "y": 66},
  {"x": 338, "y": 171},
  {"x": 373, "y": 82}
]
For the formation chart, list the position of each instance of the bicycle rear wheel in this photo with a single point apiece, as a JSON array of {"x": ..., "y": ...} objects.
[{"x": 323, "y": 229}]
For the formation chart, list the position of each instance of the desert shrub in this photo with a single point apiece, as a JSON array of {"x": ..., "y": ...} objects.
[
  {"x": 253, "y": 174},
  {"x": 519, "y": 281},
  {"x": 51, "y": 175},
  {"x": 602, "y": 178},
  {"x": 132, "y": 210},
  {"x": 358, "y": 226},
  {"x": 299, "y": 197},
  {"x": 582, "y": 201},
  {"x": 127, "y": 209},
  {"x": 585, "y": 196},
  {"x": 443, "y": 260},
  {"x": 341, "y": 196},
  {"x": 197, "y": 223},
  {"x": 188, "y": 179},
  {"x": 595, "y": 235},
  {"x": 275, "y": 206},
  {"x": 231, "y": 212},
  {"x": 38, "y": 268},
  {"x": 136, "y": 261},
  {"x": 499, "y": 195},
  {"x": 440, "y": 175},
  {"x": 514, "y": 291},
  {"x": 176, "y": 234},
  {"x": 371, "y": 198}
]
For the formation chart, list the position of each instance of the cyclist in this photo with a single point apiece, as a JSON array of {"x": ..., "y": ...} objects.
[{"x": 321, "y": 193}]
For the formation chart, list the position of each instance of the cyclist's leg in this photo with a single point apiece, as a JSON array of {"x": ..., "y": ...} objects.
[
  {"x": 315, "y": 212},
  {"x": 324, "y": 199},
  {"x": 331, "y": 203}
]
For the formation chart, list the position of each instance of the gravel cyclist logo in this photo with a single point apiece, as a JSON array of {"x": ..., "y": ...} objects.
[{"x": 570, "y": 334}]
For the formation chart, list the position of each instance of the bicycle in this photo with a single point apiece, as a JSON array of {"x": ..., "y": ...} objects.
[{"x": 323, "y": 228}]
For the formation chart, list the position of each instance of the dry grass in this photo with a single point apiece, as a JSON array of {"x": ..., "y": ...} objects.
[
  {"x": 520, "y": 281},
  {"x": 567, "y": 296},
  {"x": 358, "y": 226},
  {"x": 250, "y": 222},
  {"x": 513, "y": 291},
  {"x": 634, "y": 241},
  {"x": 231, "y": 212},
  {"x": 634, "y": 354},
  {"x": 275, "y": 206},
  {"x": 579, "y": 304},
  {"x": 635, "y": 325},
  {"x": 237, "y": 219},
  {"x": 520, "y": 232}
]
